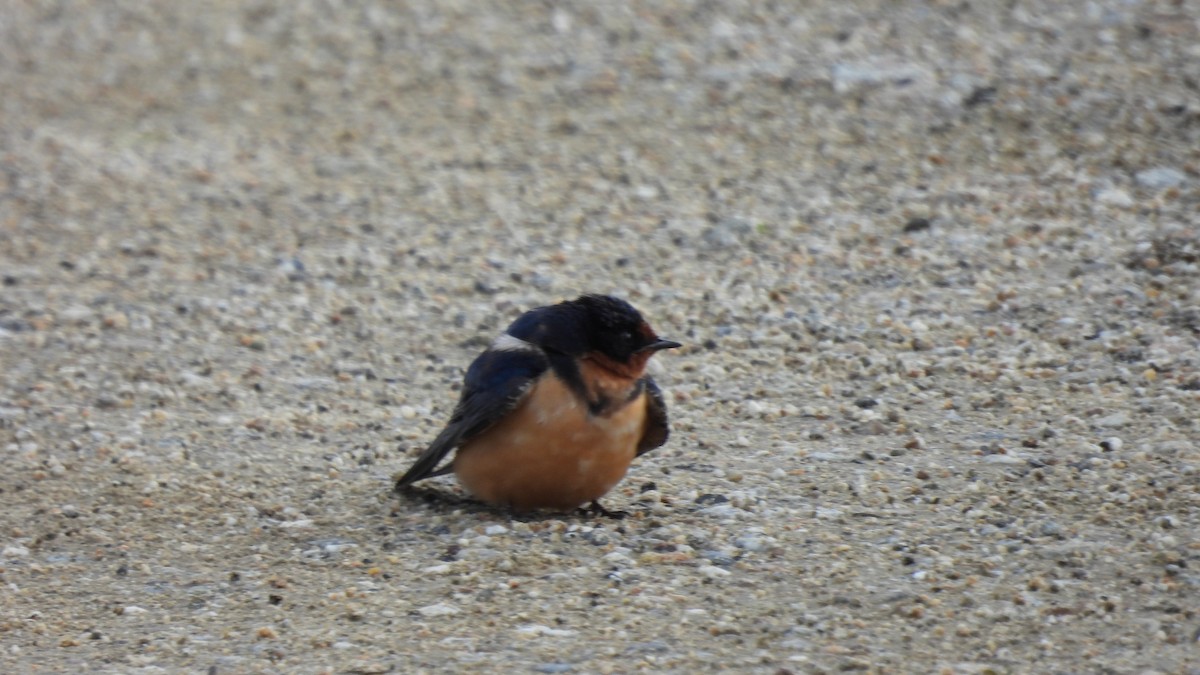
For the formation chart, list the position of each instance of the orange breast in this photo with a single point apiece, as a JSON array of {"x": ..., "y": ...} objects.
[{"x": 550, "y": 453}]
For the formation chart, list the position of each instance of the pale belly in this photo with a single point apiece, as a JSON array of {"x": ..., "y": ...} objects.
[{"x": 550, "y": 453}]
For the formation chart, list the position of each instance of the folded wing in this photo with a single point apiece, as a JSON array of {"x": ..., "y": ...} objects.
[{"x": 496, "y": 383}]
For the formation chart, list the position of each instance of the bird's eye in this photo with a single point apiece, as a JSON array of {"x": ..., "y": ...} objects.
[{"x": 626, "y": 336}]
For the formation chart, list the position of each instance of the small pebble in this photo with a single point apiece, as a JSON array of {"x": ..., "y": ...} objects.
[
  {"x": 538, "y": 630},
  {"x": 1051, "y": 528},
  {"x": 1167, "y": 522},
  {"x": 1160, "y": 178},
  {"x": 714, "y": 572},
  {"x": 1115, "y": 197}
]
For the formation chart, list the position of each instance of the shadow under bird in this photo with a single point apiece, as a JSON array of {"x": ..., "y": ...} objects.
[{"x": 554, "y": 411}]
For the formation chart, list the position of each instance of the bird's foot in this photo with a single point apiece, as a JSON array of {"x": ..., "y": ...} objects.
[{"x": 596, "y": 509}]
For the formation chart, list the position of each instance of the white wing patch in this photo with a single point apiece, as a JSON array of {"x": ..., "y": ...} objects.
[{"x": 508, "y": 343}]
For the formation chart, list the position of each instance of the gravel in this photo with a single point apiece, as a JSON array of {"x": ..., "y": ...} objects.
[{"x": 936, "y": 265}]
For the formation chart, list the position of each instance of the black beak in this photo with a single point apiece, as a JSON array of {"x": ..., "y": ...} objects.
[{"x": 659, "y": 344}]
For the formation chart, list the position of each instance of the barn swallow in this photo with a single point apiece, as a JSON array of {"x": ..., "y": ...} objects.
[{"x": 554, "y": 411}]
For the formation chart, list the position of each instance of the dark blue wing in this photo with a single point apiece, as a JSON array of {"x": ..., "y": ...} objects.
[
  {"x": 496, "y": 383},
  {"x": 657, "y": 427}
]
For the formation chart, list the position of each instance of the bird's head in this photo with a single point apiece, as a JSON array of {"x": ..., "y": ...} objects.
[
  {"x": 618, "y": 330},
  {"x": 615, "y": 335},
  {"x": 602, "y": 328}
]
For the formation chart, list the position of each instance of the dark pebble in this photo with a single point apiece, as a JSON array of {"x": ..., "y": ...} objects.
[{"x": 917, "y": 224}]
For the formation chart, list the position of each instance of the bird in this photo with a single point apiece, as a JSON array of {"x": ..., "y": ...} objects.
[{"x": 554, "y": 411}]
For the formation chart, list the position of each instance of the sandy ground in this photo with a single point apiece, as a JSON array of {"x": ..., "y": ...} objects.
[{"x": 937, "y": 266}]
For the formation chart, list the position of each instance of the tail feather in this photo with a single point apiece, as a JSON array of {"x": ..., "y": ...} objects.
[{"x": 426, "y": 465}]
